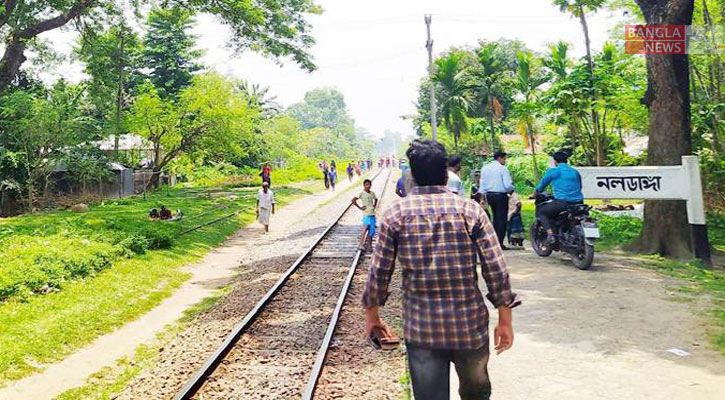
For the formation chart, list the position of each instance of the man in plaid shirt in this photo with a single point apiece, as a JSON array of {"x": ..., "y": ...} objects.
[{"x": 436, "y": 236}]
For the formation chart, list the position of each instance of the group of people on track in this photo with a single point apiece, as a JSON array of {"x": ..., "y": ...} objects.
[{"x": 438, "y": 236}]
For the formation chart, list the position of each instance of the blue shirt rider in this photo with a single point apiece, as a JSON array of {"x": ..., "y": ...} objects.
[{"x": 567, "y": 184}]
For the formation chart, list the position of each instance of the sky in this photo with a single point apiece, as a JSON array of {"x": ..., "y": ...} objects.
[{"x": 374, "y": 52}]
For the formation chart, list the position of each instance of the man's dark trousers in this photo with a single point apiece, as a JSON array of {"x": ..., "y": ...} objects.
[
  {"x": 430, "y": 372},
  {"x": 499, "y": 203}
]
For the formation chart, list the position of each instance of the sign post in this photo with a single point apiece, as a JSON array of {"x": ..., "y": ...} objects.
[{"x": 677, "y": 182}]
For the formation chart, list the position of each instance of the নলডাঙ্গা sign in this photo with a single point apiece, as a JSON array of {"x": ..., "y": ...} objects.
[{"x": 667, "y": 182}]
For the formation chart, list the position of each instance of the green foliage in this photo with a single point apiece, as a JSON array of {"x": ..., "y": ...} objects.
[
  {"x": 451, "y": 78},
  {"x": 42, "y": 329},
  {"x": 168, "y": 50},
  {"x": 39, "y": 130},
  {"x": 112, "y": 60},
  {"x": 34, "y": 264},
  {"x": 617, "y": 230},
  {"x": 137, "y": 244},
  {"x": 210, "y": 121},
  {"x": 327, "y": 128},
  {"x": 521, "y": 171}
]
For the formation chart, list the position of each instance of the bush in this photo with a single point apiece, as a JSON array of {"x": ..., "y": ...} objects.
[
  {"x": 157, "y": 238},
  {"x": 39, "y": 264},
  {"x": 136, "y": 243},
  {"x": 617, "y": 230}
]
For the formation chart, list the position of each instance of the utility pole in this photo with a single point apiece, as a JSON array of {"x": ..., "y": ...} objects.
[{"x": 433, "y": 108}]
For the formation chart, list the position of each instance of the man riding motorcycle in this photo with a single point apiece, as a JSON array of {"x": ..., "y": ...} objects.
[{"x": 567, "y": 183}]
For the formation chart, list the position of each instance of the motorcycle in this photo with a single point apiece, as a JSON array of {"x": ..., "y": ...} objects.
[{"x": 576, "y": 233}]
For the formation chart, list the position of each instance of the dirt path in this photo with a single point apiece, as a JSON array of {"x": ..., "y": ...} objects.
[
  {"x": 603, "y": 334},
  {"x": 295, "y": 224}
]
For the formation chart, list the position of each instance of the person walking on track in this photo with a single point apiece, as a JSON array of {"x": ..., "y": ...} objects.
[
  {"x": 265, "y": 205},
  {"x": 496, "y": 185},
  {"x": 325, "y": 173},
  {"x": 350, "y": 171},
  {"x": 266, "y": 174},
  {"x": 369, "y": 204},
  {"x": 436, "y": 237},
  {"x": 333, "y": 174}
]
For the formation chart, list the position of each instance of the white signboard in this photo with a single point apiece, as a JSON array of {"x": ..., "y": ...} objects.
[{"x": 680, "y": 182}]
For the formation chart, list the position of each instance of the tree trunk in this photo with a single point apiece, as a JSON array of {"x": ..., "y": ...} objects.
[
  {"x": 4, "y": 201},
  {"x": 532, "y": 144},
  {"x": 490, "y": 122},
  {"x": 14, "y": 54},
  {"x": 590, "y": 65},
  {"x": 666, "y": 230},
  {"x": 30, "y": 195},
  {"x": 13, "y": 58}
]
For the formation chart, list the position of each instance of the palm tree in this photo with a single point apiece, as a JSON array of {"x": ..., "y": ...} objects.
[
  {"x": 489, "y": 76},
  {"x": 528, "y": 80},
  {"x": 451, "y": 79},
  {"x": 259, "y": 97}
]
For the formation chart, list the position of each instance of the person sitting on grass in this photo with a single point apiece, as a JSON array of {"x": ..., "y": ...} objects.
[
  {"x": 165, "y": 213},
  {"x": 369, "y": 203}
]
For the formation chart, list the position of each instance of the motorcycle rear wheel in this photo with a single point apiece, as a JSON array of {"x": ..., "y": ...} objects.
[
  {"x": 583, "y": 258},
  {"x": 537, "y": 236}
]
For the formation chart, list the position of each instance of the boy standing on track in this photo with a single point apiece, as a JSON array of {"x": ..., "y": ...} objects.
[
  {"x": 265, "y": 205},
  {"x": 369, "y": 203},
  {"x": 436, "y": 237}
]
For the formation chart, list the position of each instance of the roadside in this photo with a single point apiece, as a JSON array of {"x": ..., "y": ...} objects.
[
  {"x": 604, "y": 334},
  {"x": 211, "y": 273}
]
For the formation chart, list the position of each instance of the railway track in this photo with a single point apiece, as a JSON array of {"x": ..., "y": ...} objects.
[{"x": 278, "y": 350}]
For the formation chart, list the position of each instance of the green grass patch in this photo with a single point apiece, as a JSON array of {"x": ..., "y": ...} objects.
[
  {"x": 89, "y": 298},
  {"x": 405, "y": 383},
  {"x": 702, "y": 282},
  {"x": 109, "y": 381}
]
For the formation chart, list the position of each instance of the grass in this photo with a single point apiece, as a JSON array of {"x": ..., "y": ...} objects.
[
  {"x": 42, "y": 327},
  {"x": 109, "y": 381},
  {"x": 700, "y": 282}
]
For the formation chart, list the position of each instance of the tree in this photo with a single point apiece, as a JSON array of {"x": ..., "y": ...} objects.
[
  {"x": 665, "y": 230},
  {"x": 276, "y": 28},
  {"x": 324, "y": 111},
  {"x": 323, "y": 107},
  {"x": 259, "y": 97},
  {"x": 210, "y": 120},
  {"x": 529, "y": 78},
  {"x": 40, "y": 129},
  {"x": 111, "y": 58},
  {"x": 489, "y": 78},
  {"x": 619, "y": 82},
  {"x": 450, "y": 77},
  {"x": 168, "y": 50},
  {"x": 579, "y": 8}
]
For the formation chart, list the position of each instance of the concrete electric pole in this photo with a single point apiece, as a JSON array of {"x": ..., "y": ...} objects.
[{"x": 433, "y": 110}]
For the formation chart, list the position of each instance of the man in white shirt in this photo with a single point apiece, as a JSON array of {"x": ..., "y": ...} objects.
[
  {"x": 455, "y": 184},
  {"x": 265, "y": 205},
  {"x": 496, "y": 184}
]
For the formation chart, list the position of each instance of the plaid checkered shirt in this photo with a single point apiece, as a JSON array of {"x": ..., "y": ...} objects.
[{"x": 436, "y": 236}]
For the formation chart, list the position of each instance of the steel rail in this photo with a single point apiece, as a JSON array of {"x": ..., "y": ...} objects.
[
  {"x": 311, "y": 387},
  {"x": 199, "y": 377}
]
